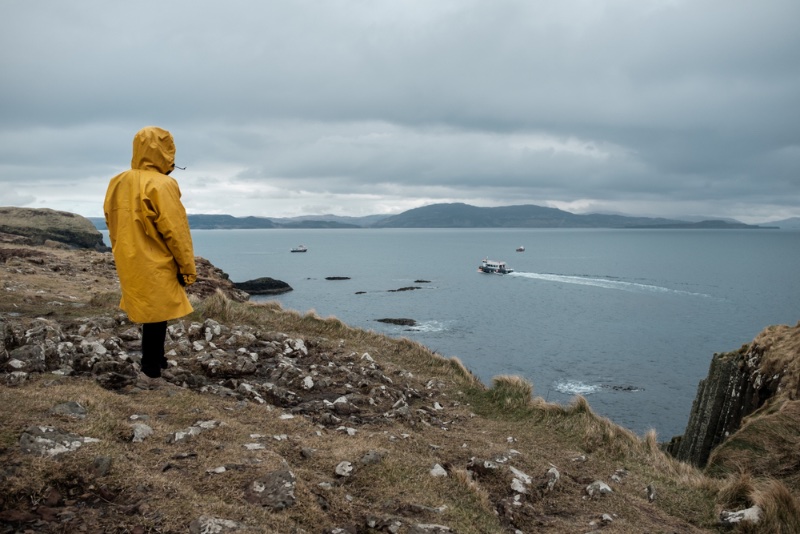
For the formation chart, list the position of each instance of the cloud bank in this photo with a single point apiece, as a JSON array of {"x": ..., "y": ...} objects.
[{"x": 662, "y": 108}]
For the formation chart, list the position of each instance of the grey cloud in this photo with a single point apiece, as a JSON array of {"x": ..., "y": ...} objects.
[{"x": 651, "y": 101}]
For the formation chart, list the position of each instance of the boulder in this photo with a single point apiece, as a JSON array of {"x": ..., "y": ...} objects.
[
  {"x": 50, "y": 441},
  {"x": 40, "y": 225},
  {"x": 274, "y": 491}
]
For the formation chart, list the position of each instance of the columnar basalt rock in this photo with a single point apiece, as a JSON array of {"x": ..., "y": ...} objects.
[{"x": 739, "y": 384}]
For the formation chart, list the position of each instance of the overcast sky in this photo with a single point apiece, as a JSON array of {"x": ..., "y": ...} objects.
[{"x": 282, "y": 108}]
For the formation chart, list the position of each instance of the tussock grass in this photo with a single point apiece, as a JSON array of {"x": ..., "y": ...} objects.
[
  {"x": 735, "y": 491},
  {"x": 511, "y": 393},
  {"x": 781, "y": 508},
  {"x": 767, "y": 442}
]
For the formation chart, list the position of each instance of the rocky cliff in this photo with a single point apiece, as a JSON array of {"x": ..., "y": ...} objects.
[
  {"x": 743, "y": 389},
  {"x": 44, "y": 226}
]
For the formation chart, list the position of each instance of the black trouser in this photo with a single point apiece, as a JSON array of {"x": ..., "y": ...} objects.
[{"x": 153, "y": 338}]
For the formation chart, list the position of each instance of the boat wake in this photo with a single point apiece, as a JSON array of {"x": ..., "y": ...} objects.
[{"x": 605, "y": 283}]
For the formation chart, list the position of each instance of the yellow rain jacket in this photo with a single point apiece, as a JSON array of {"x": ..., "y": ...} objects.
[{"x": 149, "y": 232}]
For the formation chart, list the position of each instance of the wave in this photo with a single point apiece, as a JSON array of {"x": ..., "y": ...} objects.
[
  {"x": 605, "y": 283},
  {"x": 429, "y": 326},
  {"x": 576, "y": 387}
]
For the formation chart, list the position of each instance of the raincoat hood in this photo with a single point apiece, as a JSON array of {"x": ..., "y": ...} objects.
[{"x": 153, "y": 150}]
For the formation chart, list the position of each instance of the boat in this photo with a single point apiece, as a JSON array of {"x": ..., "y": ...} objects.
[
  {"x": 494, "y": 267},
  {"x": 520, "y": 249},
  {"x": 299, "y": 248}
]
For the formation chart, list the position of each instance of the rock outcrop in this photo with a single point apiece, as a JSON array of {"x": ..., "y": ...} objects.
[
  {"x": 745, "y": 388},
  {"x": 29, "y": 226},
  {"x": 399, "y": 322},
  {"x": 263, "y": 286},
  {"x": 211, "y": 279}
]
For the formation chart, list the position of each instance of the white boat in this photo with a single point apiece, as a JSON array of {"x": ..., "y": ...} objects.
[
  {"x": 299, "y": 248},
  {"x": 494, "y": 267},
  {"x": 520, "y": 249}
]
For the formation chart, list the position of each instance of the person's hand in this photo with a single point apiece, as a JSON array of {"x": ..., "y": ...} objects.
[{"x": 181, "y": 281}]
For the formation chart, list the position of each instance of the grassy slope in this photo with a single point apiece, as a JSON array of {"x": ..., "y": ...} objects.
[{"x": 157, "y": 486}]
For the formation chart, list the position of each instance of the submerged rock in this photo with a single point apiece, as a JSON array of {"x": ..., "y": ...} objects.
[{"x": 399, "y": 322}]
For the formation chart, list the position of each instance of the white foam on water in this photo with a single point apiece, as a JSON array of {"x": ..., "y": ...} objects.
[
  {"x": 576, "y": 387},
  {"x": 429, "y": 326},
  {"x": 604, "y": 283}
]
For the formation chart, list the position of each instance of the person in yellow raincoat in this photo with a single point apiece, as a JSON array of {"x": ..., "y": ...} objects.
[{"x": 151, "y": 242}]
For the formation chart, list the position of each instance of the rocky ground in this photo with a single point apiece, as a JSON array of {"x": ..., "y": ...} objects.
[{"x": 269, "y": 421}]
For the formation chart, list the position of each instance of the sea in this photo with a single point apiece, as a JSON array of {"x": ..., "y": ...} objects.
[{"x": 629, "y": 319}]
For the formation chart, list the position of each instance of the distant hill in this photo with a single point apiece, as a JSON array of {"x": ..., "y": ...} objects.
[
  {"x": 365, "y": 221},
  {"x": 458, "y": 215},
  {"x": 229, "y": 222},
  {"x": 792, "y": 223},
  {"x": 530, "y": 216}
]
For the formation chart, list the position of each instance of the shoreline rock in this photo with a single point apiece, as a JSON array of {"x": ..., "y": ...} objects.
[
  {"x": 263, "y": 286},
  {"x": 399, "y": 322}
]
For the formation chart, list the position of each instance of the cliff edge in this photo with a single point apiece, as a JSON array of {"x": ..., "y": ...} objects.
[
  {"x": 44, "y": 226},
  {"x": 746, "y": 414}
]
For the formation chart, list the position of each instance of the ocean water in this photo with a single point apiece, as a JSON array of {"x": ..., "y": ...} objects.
[{"x": 627, "y": 318}]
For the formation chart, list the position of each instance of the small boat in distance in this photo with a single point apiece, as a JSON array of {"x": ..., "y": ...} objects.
[
  {"x": 494, "y": 267},
  {"x": 299, "y": 248},
  {"x": 520, "y": 248}
]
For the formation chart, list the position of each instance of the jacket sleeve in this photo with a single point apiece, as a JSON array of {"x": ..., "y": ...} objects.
[{"x": 171, "y": 222}]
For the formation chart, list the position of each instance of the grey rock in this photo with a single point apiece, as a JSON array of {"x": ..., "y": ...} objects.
[
  {"x": 749, "y": 515},
  {"x": 438, "y": 471},
  {"x": 50, "y": 441},
  {"x": 215, "y": 525},
  {"x": 101, "y": 466},
  {"x": 274, "y": 491},
  {"x": 344, "y": 469},
  {"x": 372, "y": 457},
  {"x": 553, "y": 477},
  {"x": 29, "y": 358},
  {"x": 650, "y": 490},
  {"x": 598, "y": 487},
  {"x": 141, "y": 431},
  {"x": 114, "y": 375},
  {"x": 429, "y": 528},
  {"x": 69, "y": 409}
]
